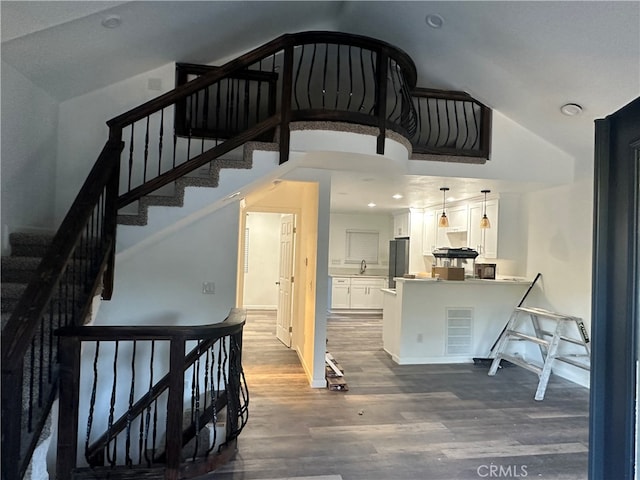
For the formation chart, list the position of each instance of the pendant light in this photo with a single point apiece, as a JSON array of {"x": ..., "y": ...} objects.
[
  {"x": 443, "y": 221},
  {"x": 484, "y": 221}
]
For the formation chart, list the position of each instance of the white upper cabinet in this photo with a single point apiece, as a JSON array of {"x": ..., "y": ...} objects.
[
  {"x": 455, "y": 235},
  {"x": 430, "y": 224},
  {"x": 402, "y": 224},
  {"x": 484, "y": 240}
]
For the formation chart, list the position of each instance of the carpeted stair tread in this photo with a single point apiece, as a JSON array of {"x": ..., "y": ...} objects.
[{"x": 19, "y": 269}]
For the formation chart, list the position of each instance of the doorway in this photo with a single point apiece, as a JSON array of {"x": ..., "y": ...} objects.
[{"x": 269, "y": 265}]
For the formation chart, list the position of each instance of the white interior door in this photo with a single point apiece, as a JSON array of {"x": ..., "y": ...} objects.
[{"x": 285, "y": 279}]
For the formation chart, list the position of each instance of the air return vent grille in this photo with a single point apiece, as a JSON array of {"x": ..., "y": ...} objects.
[{"x": 459, "y": 331}]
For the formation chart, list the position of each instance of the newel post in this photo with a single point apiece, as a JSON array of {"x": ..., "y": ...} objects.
[
  {"x": 69, "y": 394},
  {"x": 111, "y": 212},
  {"x": 175, "y": 404}
]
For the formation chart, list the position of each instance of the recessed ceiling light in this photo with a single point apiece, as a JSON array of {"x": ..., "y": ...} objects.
[
  {"x": 434, "y": 20},
  {"x": 111, "y": 21},
  {"x": 397, "y": 196},
  {"x": 571, "y": 109},
  {"x": 371, "y": 204}
]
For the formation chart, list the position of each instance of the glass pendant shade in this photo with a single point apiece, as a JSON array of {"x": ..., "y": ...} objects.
[
  {"x": 484, "y": 221},
  {"x": 443, "y": 221}
]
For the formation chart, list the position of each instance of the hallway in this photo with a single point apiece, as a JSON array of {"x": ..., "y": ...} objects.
[{"x": 431, "y": 422}]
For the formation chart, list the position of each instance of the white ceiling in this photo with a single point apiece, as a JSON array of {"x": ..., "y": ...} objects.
[{"x": 524, "y": 59}]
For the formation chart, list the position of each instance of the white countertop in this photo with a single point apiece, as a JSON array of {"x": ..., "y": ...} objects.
[
  {"x": 356, "y": 275},
  {"x": 467, "y": 281}
]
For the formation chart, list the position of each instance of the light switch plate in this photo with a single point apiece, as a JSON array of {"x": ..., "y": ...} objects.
[{"x": 208, "y": 288}]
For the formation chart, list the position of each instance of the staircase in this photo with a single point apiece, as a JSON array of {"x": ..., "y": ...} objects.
[{"x": 154, "y": 153}]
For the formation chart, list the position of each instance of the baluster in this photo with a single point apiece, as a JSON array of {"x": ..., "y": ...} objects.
[
  {"x": 456, "y": 113},
  {"x": 205, "y": 115},
  {"x": 41, "y": 364},
  {"x": 31, "y": 381},
  {"x": 146, "y": 152},
  {"x": 324, "y": 73},
  {"x": 259, "y": 94},
  {"x": 476, "y": 142},
  {"x": 297, "y": 77},
  {"x": 214, "y": 397},
  {"x": 175, "y": 144},
  {"x": 130, "y": 173},
  {"x": 92, "y": 402},
  {"x": 313, "y": 62},
  {"x": 196, "y": 406},
  {"x": 237, "y": 105},
  {"x": 148, "y": 413},
  {"x": 155, "y": 429},
  {"x": 364, "y": 81},
  {"x": 111, "y": 457},
  {"x": 128, "y": 460},
  {"x": 446, "y": 104},
  {"x": 218, "y": 106},
  {"x": 350, "y": 62},
  {"x": 228, "y": 109},
  {"x": 51, "y": 345},
  {"x": 466, "y": 125},
  {"x": 337, "y": 76},
  {"x": 247, "y": 101},
  {"x": 437, "y": 144},
  {"x": 160, "y": 138}
]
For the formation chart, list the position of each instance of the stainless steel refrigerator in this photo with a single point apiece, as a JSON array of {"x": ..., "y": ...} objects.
[{"x": 398, "y": 259}]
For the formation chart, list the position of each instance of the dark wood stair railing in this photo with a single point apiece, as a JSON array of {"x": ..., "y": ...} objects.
[
  {"x": 79, "y": 264},
  {"x": 130, "y": 442}
]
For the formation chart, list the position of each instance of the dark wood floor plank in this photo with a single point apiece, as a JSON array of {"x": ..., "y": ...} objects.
[{"x": 410, "y": 422}]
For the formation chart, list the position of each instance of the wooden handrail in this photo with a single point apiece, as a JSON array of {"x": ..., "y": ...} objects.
[{"x": 232, "y": 324}]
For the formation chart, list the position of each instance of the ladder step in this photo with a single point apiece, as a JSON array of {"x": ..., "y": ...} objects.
[
  {"x": 541, "y": 312},
  {"x": 570, "y": 360},
  {"x": 530, "y": 338},
  {"x": 522, "y": 363}
]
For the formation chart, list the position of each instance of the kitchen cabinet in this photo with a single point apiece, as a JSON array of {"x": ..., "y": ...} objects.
[
  {"x": 340, "y": 289},
  {"x": 455, "y": 234},
  {"x": 402, "y": 224},
  {"x": 484, "y": 240},
  {"x": 429, "y": 225},
  {"x": 357, "y": 293}
]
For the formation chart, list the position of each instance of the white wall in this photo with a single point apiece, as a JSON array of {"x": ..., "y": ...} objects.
[
  {"x": 516, "y": 154},
  {"x": 260, "y": 289},
  {"x": 341, "y": 222},
  {"x": 160, "y": 282},
  {"x": 29, "y": 129},
  {"x": 83, "y": 130},
  {"x": 560, "y": 226}
]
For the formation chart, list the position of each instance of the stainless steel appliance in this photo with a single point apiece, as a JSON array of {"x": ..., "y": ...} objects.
[{"x": 398, "y": 259}]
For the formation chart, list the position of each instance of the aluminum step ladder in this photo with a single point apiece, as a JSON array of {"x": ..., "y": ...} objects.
[{"x": 549, "y": 341}]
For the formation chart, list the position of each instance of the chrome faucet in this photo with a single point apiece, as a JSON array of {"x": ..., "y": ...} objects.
[{"x": 363, "y": 266}]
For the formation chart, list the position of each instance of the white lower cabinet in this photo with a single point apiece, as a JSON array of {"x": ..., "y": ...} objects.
[{"x": 357, "y": 293}]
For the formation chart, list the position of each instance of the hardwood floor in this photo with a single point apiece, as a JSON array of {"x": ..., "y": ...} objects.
[{"x": 418, "y": 422}]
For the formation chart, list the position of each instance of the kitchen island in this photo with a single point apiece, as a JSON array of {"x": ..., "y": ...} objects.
[{"x": 439, "y": 321}]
